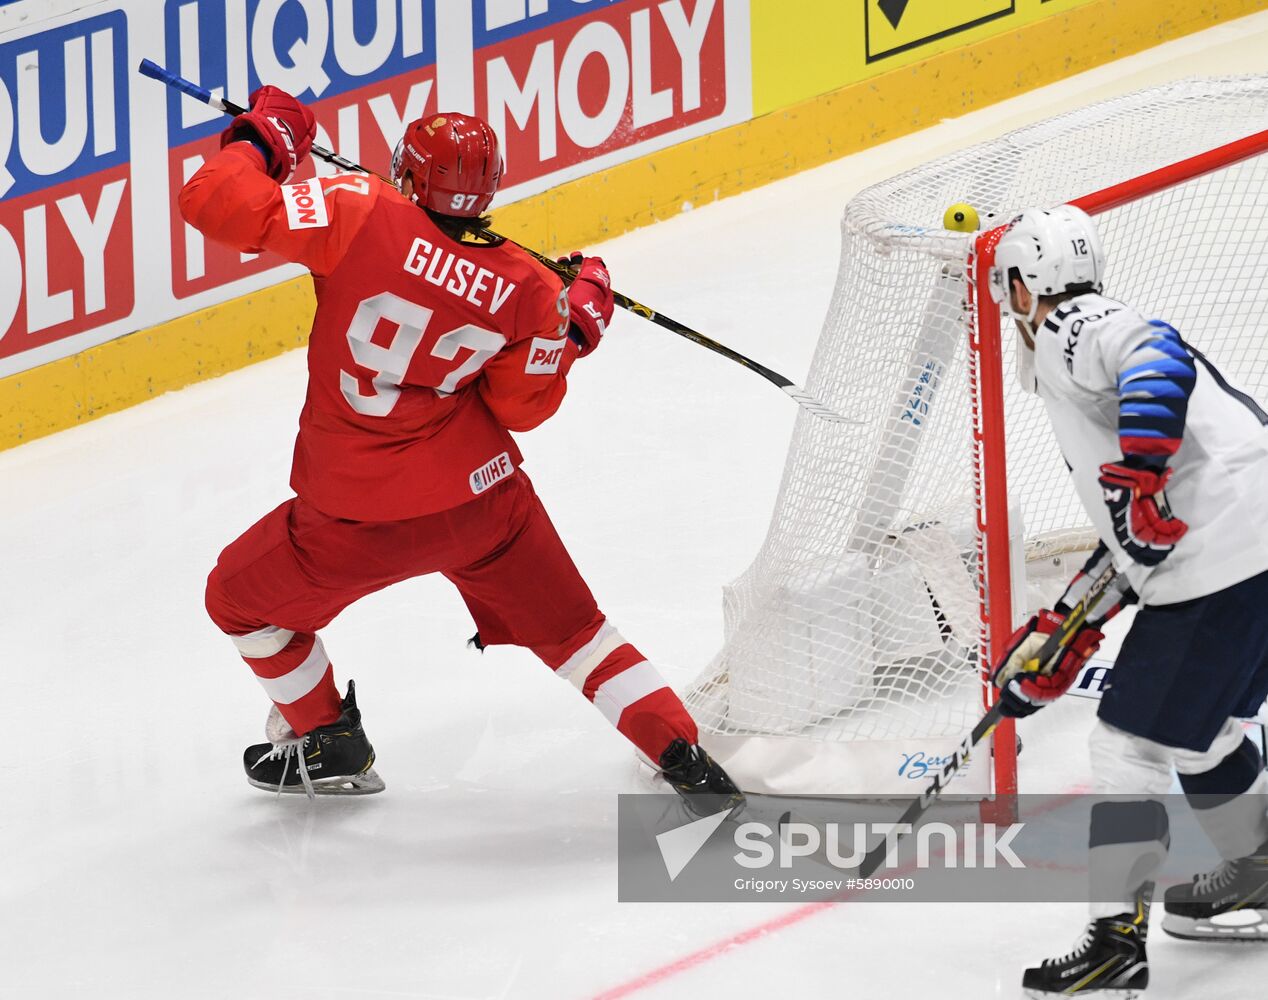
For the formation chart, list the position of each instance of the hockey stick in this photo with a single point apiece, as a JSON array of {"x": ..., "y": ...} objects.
[
  {"x": 156, "y": 72},
  {"x": 1063, "y": 636},
  {"x": 802, "y": 398}
]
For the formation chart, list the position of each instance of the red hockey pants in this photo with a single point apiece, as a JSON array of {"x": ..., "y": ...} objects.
[{"x": 290, "y": 573}]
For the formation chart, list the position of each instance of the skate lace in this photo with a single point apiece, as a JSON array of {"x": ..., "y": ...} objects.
[
  {"x": 1084, "y": 940},
  {"x": 286, "y": 751},
  {"x": 1215, "y": 880}
]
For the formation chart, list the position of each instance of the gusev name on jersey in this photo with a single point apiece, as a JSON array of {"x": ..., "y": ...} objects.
[
  {"x": 1116, "y": 384},
  {"x": 424, "y": 354}
]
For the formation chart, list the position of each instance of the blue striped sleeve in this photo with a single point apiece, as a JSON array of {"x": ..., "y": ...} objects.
[{"x": 1154, "y": 386}]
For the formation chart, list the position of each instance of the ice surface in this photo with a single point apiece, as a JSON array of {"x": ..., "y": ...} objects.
[{"x": 138, "y": 863}]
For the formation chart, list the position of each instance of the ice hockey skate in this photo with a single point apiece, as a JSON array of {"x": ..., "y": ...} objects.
[
  {"x": 334, "y": 759},
  {"x": 703, "y": 785},
  {"x": 1108, "y": 961},
  {"x": 1227, "y": 904}
]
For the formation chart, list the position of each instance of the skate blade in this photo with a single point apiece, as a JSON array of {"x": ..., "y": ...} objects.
[
  {"x": 366, "y": 783},
  {"x": 1238, "y": 925},
  {"x": 1121, "y": 993}
]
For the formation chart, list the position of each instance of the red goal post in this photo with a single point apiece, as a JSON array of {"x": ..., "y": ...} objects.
[{"x": 990, "y": 459}]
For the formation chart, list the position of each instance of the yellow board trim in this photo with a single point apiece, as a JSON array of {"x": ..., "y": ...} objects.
[
  {"x": 210, "y": 342},
  {"x": 835, "y": 53},
  {"x": 131, "y": 369}
]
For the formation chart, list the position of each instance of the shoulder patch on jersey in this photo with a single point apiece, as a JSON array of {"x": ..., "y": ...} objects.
[
  {"x": 305, "y": 205},
  {"x": 544, "y": 356}
]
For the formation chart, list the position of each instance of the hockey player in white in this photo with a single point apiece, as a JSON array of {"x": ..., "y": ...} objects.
[{"x": 1171, "y": 463}]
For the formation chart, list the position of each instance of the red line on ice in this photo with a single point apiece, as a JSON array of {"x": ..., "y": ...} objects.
[{"x": 712, "y": 951}]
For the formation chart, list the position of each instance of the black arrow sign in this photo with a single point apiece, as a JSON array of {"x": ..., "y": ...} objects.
[{"x": 893, "y": 10}]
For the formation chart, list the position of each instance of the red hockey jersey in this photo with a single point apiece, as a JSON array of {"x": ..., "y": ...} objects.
[{"x": 424, "y": 352}]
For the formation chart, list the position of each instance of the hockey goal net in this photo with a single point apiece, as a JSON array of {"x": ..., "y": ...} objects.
[{"x": 904, "y": 548}]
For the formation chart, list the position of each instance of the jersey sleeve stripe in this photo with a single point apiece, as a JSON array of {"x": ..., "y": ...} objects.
[
  {"x": 1158, "y": 367},
  {"x": 1149, "y": 447},
  {"x": 1160, "y": 410},
  {"x": 1154, "y": 386}
]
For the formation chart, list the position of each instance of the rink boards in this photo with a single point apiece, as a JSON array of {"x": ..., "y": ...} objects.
[{"x": 613, "y": 116}]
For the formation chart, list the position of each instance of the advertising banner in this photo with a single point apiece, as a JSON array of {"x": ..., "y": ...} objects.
[
  {"x": 612, "y": 114},
  {"x": 92, "y": 155},
  {"x": 66, "y": 229}
]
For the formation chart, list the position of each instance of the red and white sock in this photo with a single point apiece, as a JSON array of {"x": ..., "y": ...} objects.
[
  {"x": 295, "y": 673},
  {"x": 630, "y": 692}
]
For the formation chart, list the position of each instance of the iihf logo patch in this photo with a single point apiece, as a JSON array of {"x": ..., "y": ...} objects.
[{"x": 491, "y": 472}]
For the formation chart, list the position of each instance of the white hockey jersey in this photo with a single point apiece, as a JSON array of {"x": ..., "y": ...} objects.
[{"x": 1091, "y": 355}]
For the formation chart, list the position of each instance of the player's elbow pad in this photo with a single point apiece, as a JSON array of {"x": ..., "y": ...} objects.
[
  {"x": 519, "y": 422},
  {"x": 203, "y": 204},
  {"x": 188, "y": 203},
  {"x": 525, "y": 414}
]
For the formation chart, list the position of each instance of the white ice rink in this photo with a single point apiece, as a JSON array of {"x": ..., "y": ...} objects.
[{"x": 137, "y": 862}]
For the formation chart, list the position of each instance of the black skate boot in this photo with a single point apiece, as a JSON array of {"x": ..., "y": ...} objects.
[
  {"x": 1228, "y": 904},
  {"x": 334, "y": 759},
  {"x": 704, "y": 786},
  {"x": 1108, "y": 962}
]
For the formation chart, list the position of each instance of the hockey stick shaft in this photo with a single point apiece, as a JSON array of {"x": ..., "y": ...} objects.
[
  {"x": 918, "y": 807},
  {"x": 1063, "y": 636},
  {"x": 1075, "y": 620},
  {"x": 803, "y": 399},
  {"x": 156, "y": 72}
]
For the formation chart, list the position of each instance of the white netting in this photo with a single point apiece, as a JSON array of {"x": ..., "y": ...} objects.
[{"x": 858, "y": 620}]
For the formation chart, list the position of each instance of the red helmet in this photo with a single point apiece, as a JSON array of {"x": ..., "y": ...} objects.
[{"x": 453, "y": 161}]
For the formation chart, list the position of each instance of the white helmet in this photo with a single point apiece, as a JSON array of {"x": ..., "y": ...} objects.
[{"x": 1054, "y": 251}]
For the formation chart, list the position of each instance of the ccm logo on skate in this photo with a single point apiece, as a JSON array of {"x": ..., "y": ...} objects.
[
  {"x": 305, "y": 205},
  {"x": 544, "y": 356},
  {"x": 491, "y": 472}
]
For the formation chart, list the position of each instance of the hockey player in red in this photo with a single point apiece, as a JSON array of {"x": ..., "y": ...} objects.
[{"x": 426, "y": 350}]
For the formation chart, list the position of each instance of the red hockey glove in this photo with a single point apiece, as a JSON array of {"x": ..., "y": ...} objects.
[
  {"x": 281, "y": 125},
  {"x": 1026, "y": 687},
  {"x": 589, "y": 300},
  {"x": 1143, "y": 523}
]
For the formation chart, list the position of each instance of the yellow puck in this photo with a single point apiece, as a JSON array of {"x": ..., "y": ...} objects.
[{"x": 961, "y": 218}]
